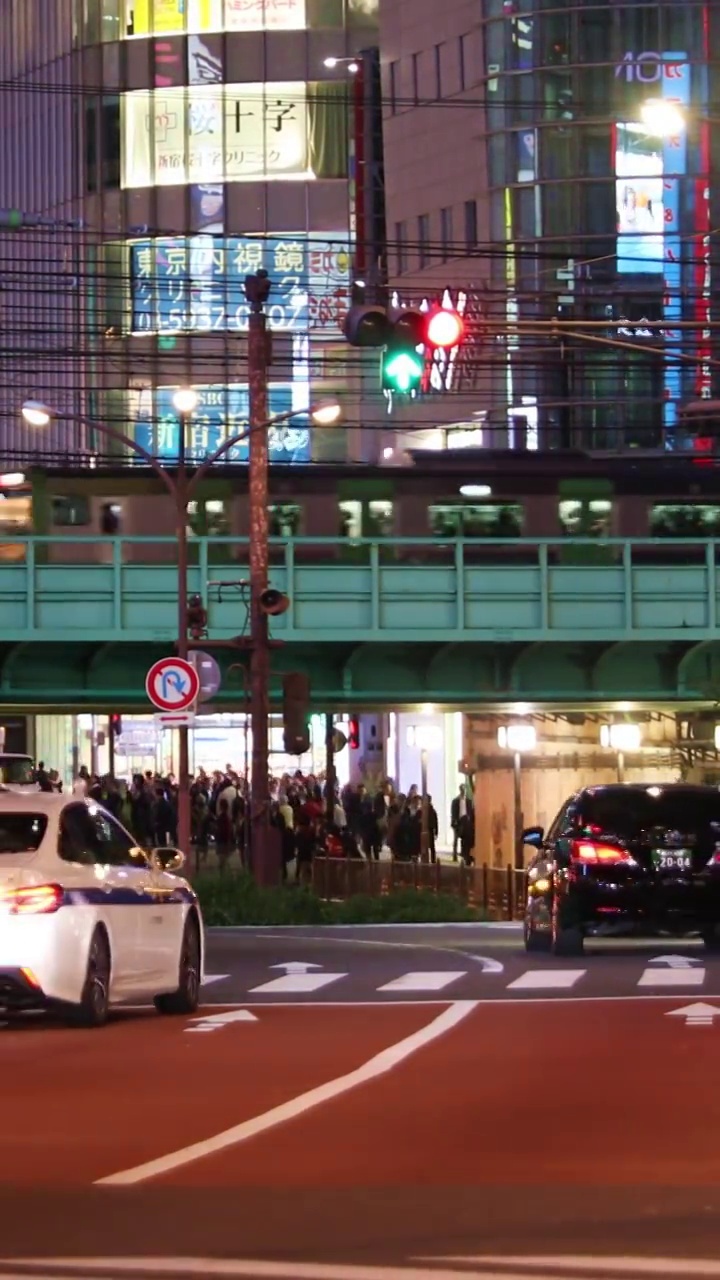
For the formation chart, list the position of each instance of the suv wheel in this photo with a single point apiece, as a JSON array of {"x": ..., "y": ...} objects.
[{"x": 566, "y": 940}]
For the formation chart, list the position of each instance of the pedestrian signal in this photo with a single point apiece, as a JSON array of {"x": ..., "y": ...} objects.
[{"x": 296, "y": 709}]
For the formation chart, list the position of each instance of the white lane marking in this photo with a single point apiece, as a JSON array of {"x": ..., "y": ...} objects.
[
  {"x": 380, "y": 1065},
  {"x": 596, "y": 1263},
  {"x": 696, "y": 1015},
  {"x": 216, "y": 1021},
  {"x": 72, "y": 1268},
  {"x": 547, "y": 980},
  {"x": 675, "y": 962},
  {"x": 430, "y": 981},
  {"x": 298, "y": 983},
  {"x": 215, "y": 977},
  {"x": 296, "y": 966},
  {"x": 676, "y": 976}
]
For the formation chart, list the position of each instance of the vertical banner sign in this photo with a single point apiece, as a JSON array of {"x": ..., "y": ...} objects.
[{"x": 676, "y": 89}]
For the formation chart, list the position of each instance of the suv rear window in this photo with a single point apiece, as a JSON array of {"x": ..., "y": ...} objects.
[
  {"x": 628, "y": 813},
  {"x": 21, "y": 832},
  {"x": 18, "y": 773}
]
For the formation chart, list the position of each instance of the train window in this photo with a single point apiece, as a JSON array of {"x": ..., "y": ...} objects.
[
  {"x": 70, "y": 510},
  {"x": 685, "y": 520},
  {"x": 15, "y": 517},
  {"x": 284, "y": 520},
  {"x": 380, "y": 518},
  {"x": 350, "y": 518},
  {"x": 590, "y": 518},
  {"x": 478, "y": 520},
  {"x": 208, "y": 518},
  {"x": 369, "y": 519}
]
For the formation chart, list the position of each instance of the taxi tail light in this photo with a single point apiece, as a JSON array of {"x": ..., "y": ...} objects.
[
  {"x": 593, "y": 853},
  {"x": 32, "y": 900}
]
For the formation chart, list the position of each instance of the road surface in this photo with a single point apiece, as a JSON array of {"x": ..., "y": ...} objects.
[{"x": 377, "y": 1104}]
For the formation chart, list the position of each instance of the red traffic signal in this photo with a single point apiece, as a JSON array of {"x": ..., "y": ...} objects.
[
  {"x": 116, "y": 724},
  {"x": 353, "y": 736},
  {"x": 445, "y": 329}
]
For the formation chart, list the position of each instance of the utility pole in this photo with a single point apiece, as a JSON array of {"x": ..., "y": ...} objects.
[
  {"x": 257, "y": 289},
  {"x": 181, "y": 503}
]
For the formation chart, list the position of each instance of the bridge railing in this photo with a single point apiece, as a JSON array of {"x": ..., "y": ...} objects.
[{"x": 496, "y": 891}]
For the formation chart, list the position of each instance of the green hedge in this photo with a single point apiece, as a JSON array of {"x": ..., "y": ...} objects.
[{"x": 234, "y": 899}]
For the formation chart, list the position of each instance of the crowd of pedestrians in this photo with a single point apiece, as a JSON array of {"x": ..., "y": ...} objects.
[{"x": 356, "y": 822}]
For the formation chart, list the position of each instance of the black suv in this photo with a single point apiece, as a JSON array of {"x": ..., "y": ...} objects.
[{"x": 625, "y": 859}]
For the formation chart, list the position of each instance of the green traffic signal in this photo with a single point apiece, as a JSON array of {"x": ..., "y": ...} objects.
[{"x": 402, "y": 371}]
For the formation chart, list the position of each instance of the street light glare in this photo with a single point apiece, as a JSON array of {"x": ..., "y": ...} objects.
[
  {"x": 185, "y": 399},
  {"x": 330, "y": 63},
  {"x": 662, "y": 118},
  {"x": 36, "y": 414},
  {"x": 324, "y": 415},
  {"x": 13, "y": 480}
]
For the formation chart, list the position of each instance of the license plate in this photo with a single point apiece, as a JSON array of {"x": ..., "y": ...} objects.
[{"x": 672, "y": 859}]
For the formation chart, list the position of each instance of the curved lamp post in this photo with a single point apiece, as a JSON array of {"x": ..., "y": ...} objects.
[{"x": 181, "y": 488}]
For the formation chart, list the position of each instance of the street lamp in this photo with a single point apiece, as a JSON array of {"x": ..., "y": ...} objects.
[
  {"x": 181, "y": 487},
  {"x": 426, "y": 737},
  {"x": 662, "y": 117},
  {"x": 352, "y": 64},
  {"x": 621, "y": 738},
  {"x": 518, "y": 738}
]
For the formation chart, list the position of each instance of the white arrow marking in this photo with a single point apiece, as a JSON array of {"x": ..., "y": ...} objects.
[
  {"x": 675, "y": 962},
  {"x": 696, "y": 1015},
  {"x": 214, "y": 977},
  {"x": 488, "y": 965},
  {"x": 296, "y": 966},
  {"x": 215, "y": 1021}
]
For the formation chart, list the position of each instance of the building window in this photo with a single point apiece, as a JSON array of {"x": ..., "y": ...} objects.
[
  {"x": 400, "y": 247},
  {"x": 471, "y": 228},
  {"x": 438, "y": 73},
  {"x": 446, "y": 232},
  {"x": 393, "y": 86},
  {"x": 424, "y": 239},
  {"x": 102, "y": 143},
  {"x": 416, "y": 79}
]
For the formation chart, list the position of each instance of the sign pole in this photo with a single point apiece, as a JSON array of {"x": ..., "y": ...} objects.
[{"x": 330, "y": 773}]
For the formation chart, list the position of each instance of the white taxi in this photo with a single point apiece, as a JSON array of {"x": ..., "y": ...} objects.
[{"x": 87, "y": 919}]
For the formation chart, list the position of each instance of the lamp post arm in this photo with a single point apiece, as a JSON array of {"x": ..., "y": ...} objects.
[
  {"x": 227, "y": 445},
  {"x": 113, "y": 434}
]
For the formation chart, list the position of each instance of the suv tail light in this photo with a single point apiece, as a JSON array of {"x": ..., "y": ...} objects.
[
  {"x": 593, "y": 853},
  {"x": 32, "y": 900}
]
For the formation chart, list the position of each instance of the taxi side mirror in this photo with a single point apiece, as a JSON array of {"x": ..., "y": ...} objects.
[
  {"x": 167, "y": 859},
  {"x": 139, "y": 856}
]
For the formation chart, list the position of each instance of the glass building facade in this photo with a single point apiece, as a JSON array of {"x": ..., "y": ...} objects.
[{"x": 603, "y": 174}]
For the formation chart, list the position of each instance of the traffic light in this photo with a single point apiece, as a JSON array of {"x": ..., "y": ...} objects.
[
  {"x": 116, "y": 724},
  {"x": 407, "y": 336},
  {"x": 353, "y": 736},
  {"x": 296, "y": 706},
  {"x": 197, "y": 618}
]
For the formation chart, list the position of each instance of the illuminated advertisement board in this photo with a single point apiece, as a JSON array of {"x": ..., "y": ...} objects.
[
  {"x": 163, "y": 17},
  {"x": 639, "y": 192},
  {"x": 196, "y": 284},
  {"x": 215, "y": 133},
  {"x": 222, "y": 412}
]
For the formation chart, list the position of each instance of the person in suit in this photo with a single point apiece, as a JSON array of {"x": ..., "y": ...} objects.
[{"x": 462, "y": 821}]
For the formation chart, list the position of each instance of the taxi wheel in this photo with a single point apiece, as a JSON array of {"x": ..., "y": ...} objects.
[
  {"x": 711, "y": 937},
  {"x": 187, "y": 997},
  {"x": 92, "y": 1011}
]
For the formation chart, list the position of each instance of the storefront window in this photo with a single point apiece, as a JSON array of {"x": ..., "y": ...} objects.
[{"x": 166, "y": 17}]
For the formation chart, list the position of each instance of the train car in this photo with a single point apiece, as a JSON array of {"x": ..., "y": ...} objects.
[{"x": 440, "y": 496}]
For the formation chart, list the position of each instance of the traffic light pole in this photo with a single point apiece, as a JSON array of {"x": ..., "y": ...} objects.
[
  {"x": 181, "y": 503},
  {"x": 261, "y": 847}
]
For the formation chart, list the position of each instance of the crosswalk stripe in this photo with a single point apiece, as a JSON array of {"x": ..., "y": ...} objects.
[
  {"x": 655, "y": 977},
  {"x": 547, "y": 980},
  {"x": 430, "y": 981},
  {"x": 297, "y": 983}
]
